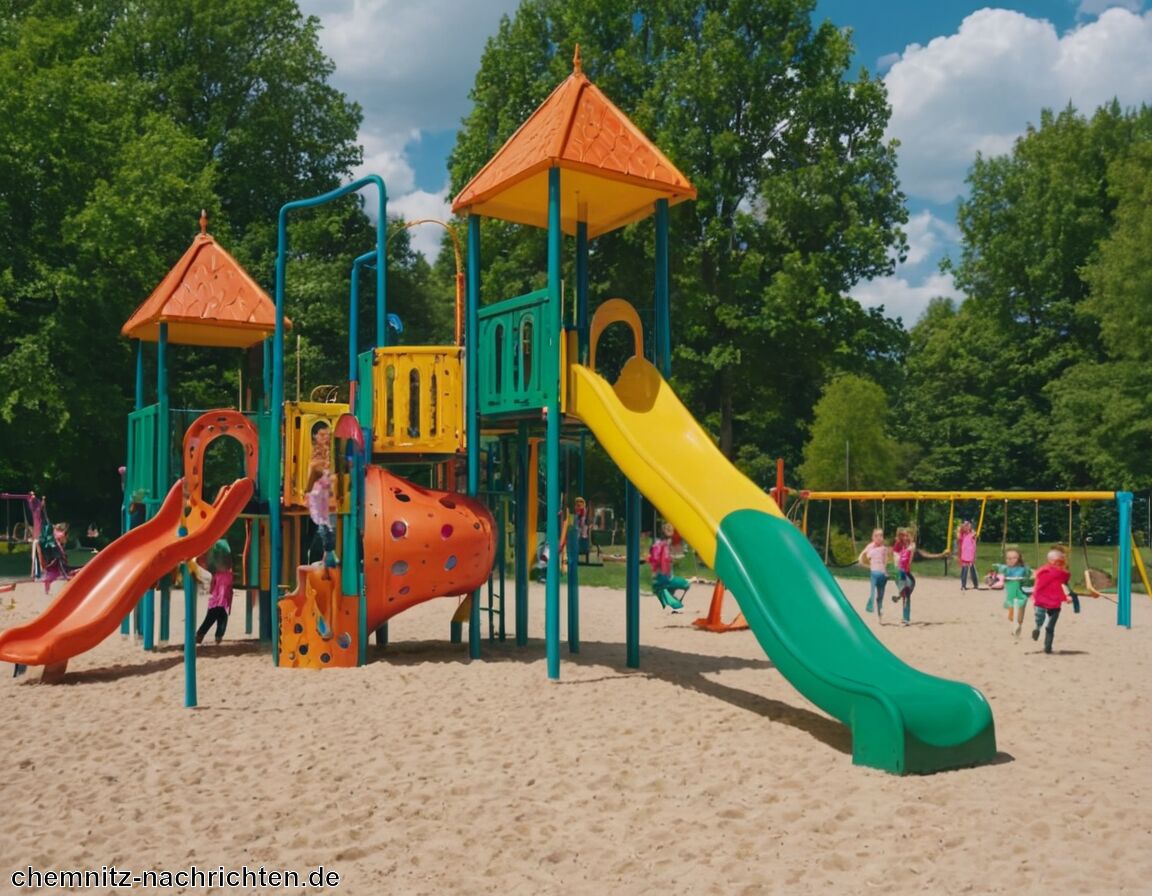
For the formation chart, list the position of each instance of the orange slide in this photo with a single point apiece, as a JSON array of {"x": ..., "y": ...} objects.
[{"x": 104, "y": 590}]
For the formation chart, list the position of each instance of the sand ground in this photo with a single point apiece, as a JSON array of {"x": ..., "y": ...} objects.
[{"x": 703, "y": 772}]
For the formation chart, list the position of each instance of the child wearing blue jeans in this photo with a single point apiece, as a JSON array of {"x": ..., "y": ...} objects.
[{"x": 876, "y": 556}]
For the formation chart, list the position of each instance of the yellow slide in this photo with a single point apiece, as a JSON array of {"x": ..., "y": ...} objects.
[{"x": 658, "y": 445}]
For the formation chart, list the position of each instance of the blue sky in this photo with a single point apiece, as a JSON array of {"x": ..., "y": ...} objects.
[{"x": 962, "y": 77}]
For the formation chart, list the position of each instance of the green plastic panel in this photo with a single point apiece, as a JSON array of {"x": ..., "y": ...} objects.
[
  {"x": 142, "y": 468},
  {"x": 902, "y": 720},
  {"x": 513, "y": 351}
]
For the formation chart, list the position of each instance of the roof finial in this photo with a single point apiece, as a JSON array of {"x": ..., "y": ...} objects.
[
  {"x": 576, "y": 70},
  {"x": 203, "y": 221}
]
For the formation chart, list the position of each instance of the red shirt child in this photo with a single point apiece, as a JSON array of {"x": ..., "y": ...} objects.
[{"x": 1049, "y": 596}]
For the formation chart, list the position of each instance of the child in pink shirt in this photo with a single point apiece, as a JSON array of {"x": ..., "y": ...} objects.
[
  {"x": 220, "y": 590},
  {"x": 966, "y": 553},
  {"x": 903, "y": 549},
  {"x": 875, "y": 556},
  {"x": 1048, "y": 595}
]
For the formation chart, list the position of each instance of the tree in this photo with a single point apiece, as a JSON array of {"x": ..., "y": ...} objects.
[
  {"x": 798, "y": 197},
  {"x": 850, "y": 448},
  {"x": 977, "y": 399},
  {"x": 122, "y": 121},
  {"x": 1101, "y": 409}
]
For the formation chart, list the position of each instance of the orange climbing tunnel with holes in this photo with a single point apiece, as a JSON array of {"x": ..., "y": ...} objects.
[{"x": 421, "y": 543}]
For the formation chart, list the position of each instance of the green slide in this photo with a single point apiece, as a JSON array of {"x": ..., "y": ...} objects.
[{"x": 902, "y": 720}]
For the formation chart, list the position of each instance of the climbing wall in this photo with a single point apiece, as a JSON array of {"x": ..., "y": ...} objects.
[{"x": 318, "y": 624}]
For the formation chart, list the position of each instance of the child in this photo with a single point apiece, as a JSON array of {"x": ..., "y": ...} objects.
[
  {"x": 320, "y": 492},
  {"x": 966, "y": 553},
  {"x": 1048, "y": 595},
  {"x": 903, "y": 549},
  {"x": 876, "y": 556},
  {"x": 541, "y": 568},
  {"x": 219, "y": 588},
  {"x": 54, "y": 548},
  {"x": 664, "y": 584},
  {"x": 994, "y": 579},
  {"x": 1014, "y": 575}
]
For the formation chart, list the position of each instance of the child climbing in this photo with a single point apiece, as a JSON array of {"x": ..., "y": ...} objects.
[
  {"x": 664, "y": 584},
  {"x": 320, "y": 492},
  {"x": 54, "y": 550},
  {"x": 1014, "y": 575},
  {"x": 219, "y": 581}
]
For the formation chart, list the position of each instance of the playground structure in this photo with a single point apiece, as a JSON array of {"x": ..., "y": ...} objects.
[
  {"x": 576, "y": 167},
  {"x": 1128, "y": 554}
]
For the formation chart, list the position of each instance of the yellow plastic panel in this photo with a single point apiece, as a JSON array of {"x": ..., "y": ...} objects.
[
  {"x": 418, "y": 400},
  {"x": 300, "y": 418}
]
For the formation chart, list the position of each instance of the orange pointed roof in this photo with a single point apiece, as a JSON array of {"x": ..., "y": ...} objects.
[
  {"x": 613, "y": 174},
  {"x": 206, "y": 299}
]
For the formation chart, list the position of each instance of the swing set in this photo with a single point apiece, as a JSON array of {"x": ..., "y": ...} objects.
[{"x": 1128, "y": 552}]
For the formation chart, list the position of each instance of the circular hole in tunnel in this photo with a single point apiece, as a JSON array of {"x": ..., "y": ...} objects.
[
  {"x": 399, "y": 529},
  {"x": 450, "y": 563},
  {"x": 446, "y": 531},
  {"x": 399, "y": 568}
]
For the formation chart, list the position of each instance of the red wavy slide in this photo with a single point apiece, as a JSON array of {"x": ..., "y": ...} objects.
[{"x": 104, "y": 590}]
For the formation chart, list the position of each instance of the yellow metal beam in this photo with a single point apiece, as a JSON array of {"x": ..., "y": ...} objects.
[{"x": 958, "y": 496}]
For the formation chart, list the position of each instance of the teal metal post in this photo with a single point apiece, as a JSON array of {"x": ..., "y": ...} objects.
[
  {"x": 189, "y": 636},
  {"x": 1124, "y": 578},
  {"x": 502, "y": 565},
  {"x": 276, "y": 393},
  {"x": 521, "y": 535},
  {"x": 663, "y": 322},
  {"x": 165, "y": 609},
  {"x": 129, "y": 468},
  {"x": 163, "y": 473},
  {"x": 632, "y": 576},
  {"x": 573, "y": 548},
  {"x": 270, "y": 479},
  {"x": 552, "y": 440},
  {"x": 351, "y": 577},
  {"x": 582, "y": 289},
  {"x": 472, "y": 402}
]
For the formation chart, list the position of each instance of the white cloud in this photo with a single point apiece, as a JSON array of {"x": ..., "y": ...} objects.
[
  {"x": 1095, "y": 7},
  {"x": 419, "y": 205},
  {"x": 902, "y": 298},
  {"x": 928, "y": 237},
  {"x": 410, "y": 65},
  {"x": 384, "y": 155},
  {"x": 975, "y": 90}
]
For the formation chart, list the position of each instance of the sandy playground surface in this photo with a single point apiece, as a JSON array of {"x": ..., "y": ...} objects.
[{"x": 704, "y": 772}]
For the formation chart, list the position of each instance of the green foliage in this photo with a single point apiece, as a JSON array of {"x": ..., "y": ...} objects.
[
  {"x": 121, "y": 124},
  {"x": 797, "y": 195},
  {"x": 1004, "y": 391},
  {"x": 850, "y": 448},
  {"x": 1102, "y": 409}
]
